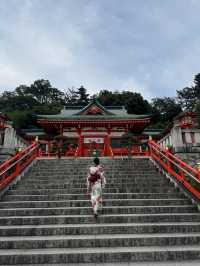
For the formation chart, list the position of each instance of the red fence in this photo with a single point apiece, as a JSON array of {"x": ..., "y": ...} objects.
[
  {"x": 125, "y": 152},
  {"x": 14, "y": 166},
  {"x": 184, "y": 173}
]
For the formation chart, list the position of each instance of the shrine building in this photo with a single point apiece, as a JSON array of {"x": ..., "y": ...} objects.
[{"x": 93, "y": 127}]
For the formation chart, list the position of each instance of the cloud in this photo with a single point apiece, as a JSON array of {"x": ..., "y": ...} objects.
[{"x": 152, "y": 48}]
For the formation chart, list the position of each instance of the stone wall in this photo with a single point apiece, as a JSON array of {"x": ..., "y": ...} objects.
[{"x": 11, "y": 142}]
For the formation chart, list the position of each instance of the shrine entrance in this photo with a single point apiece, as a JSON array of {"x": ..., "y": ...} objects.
[
  {"x": 94, "y": 126},
  {"x": 94, "y": 145}
]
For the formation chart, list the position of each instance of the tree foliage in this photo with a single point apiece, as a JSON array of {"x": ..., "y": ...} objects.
[
  {"x": 71, "y": 97},
  {"x": 133, "y": 102},
  {"x": 42, "y": 98},
  {"x": 165, "y": 109},
  {"x": 197, "y": 110},
  {"x": 82, "y": 96},
  {"x": 188, "y": 96}
]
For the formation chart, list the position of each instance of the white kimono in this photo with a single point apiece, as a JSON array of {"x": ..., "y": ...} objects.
[{"x": 96, "y": 187}]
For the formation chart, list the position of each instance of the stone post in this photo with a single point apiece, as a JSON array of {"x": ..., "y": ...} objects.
[
  {"x": 177, "y": 141},
  {"x": 9, "y": 139}
]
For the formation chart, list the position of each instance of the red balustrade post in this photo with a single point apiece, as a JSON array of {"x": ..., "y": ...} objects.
[
  {"x": 150, "y": 148},
  {"x": 17, "y": 168},
  {"x": 168, "y": 162},
  {"x": 49, "y": 148},
  {"x": 198, "y": 170}
]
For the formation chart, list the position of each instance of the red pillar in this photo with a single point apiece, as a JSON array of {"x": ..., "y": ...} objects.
[
  {"x": 49, "y": 148},
  {"x": 80, "y": 143},
  {"x": 61, "y": 130},
  {"x": 81, "y": 148},
  {"x": 107, "y": 144}
]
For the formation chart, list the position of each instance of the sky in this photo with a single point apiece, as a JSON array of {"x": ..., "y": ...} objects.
[{"x": 146, "y": 46}]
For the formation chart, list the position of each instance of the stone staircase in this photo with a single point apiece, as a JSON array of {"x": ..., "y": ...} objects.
[{"x": 46, "y": 219}]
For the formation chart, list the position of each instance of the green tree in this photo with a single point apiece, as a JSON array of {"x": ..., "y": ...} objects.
[
  {"x": 197, "y": 110},
  {"x": 71, "y": 97},
  {"x": 39, "y": 98},
  {"x": 17, "y": 103},
  {"x": 83, "y": 96},
  {"x": 165, "y": 109},
  {"x": 133, "y": 102},
  {"x": 22, "y": 90},
  {"x": 188, "y": 96},
  {"x": 109, "y": 98},
  {"x": 44, "y": 93},
  {"x": 21, "y": 119}
]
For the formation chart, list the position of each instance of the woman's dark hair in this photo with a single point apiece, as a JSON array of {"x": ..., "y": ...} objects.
[{"x": 96, "y": 161}]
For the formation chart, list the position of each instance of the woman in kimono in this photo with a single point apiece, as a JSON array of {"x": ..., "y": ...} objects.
[{"x": 95, "y": 182}]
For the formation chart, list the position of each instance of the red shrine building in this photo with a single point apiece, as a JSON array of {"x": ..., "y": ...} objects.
[{"x": 93, "y": 127}]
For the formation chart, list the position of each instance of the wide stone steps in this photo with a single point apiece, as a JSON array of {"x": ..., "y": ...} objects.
[
  {"x": 87, "y": 203},
  {"x": 43, "y": 194},
  {"x": 105, "y": 210},
  {"x": 86, "y": 255},
  {"x": 47, "y": 217},
  {"x": 100, "y": 228},
  {"x": 106, "y": 190},
  {"x": 83, "y": 176},
  {"x": 123, "y": 186},
  {"x": 71, "y": 177},
  {"x": 138, "y": 263},
  {"x": 112, "y": 240},
  {"x": 74, "y": 181},
  {"x": 109, "y": 218}
]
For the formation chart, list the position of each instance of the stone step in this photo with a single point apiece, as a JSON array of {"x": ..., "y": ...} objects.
[
  {"x": 82, "y": 203},
  {"x": 111, "y": 210},
  {"x": 91, "y": 241},
  {"x": 52, "y": 195},
  {"x": 84, "y": 169},
  {"x": 131, "y": 180},
  {"x": 148, "y": 263},
  {"x": 110, "y": 162},
  {"x": 121, "y": 169},
  {"x": 106, "y": 190},
  {"x": 83, "y": 186},
  {"x": 47, "y": 217},
  {"x": 99, "y": 228},
  {"x": 116, "y": 218},
  {"x": 82, "y": 174},
  {"x": 88, "y": 255},
  {"x": 114, "y": 180}
]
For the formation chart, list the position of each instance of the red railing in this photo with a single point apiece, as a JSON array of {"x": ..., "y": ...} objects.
[
  {"x": 15, "y": 165},
  {"x": 184, "y": 173},
  {"x": 123, "y": 151}
]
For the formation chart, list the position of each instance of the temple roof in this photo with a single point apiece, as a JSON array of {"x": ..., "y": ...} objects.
[{"x": 93, "y": 111}]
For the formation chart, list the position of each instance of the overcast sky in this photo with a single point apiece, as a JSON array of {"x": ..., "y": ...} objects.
[{"x": 148, "y": 46}]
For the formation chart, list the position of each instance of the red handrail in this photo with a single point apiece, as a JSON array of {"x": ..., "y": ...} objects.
[
  {"x": 15, "y": 165},
  {"x": 183, "y": 172}
]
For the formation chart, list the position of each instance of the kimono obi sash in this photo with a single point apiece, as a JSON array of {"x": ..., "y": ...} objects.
[{"x": 94, "y": 177}]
